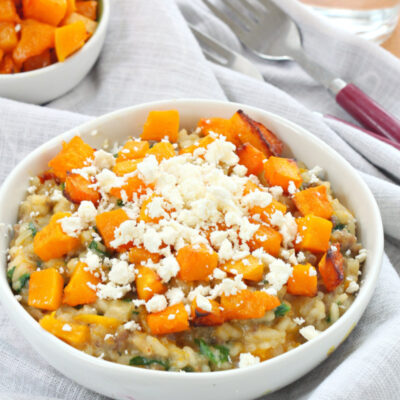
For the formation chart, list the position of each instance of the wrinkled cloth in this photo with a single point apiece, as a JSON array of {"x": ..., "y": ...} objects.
[{"x": 150, "y": 55}]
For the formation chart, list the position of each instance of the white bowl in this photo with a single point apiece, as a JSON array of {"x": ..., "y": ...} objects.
[
  {"x": 127, "y": 383},
  {"x": 46, "y": 84}
]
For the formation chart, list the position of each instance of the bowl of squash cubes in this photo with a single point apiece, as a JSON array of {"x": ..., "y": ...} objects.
[{"x": 48, "y": 46}]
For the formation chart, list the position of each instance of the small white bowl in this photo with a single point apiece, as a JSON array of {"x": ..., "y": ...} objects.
[
  {"x": 46, "y": 84},
  {"x": 128, "y": 383}
]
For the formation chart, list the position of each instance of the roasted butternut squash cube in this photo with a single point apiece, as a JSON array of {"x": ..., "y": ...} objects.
[
  {"x": 161, "y": 124},
  {"x": 248, "y": 304},
  {"x": 74, "y": 17},
  {"x": 45, "y": 289},
  {"x": 220, "y": 126},
  {"x": 47, "y": 11},
  {"x": 106, "y": 224},
  {"x": 148, "y": 283},
  {"x": 314, "y": 234},
  {"x": 81, "y": 287},
  {"x": 133, "y": 149},
  {"x": 281, "y": 171},
  {"x": 8, "y": 12},
  {"x": 266, "y": 213},
  {"x": 268, "y": 239},
  {"x": 162, "y": 151},
  {"x": 303, "y": 281},
  {"x": 134, "y": 185},
  {"x": 8, "y": 36},
  {"x": 51, "y": 242},
  {"x": 74, "y": 154},
  {"x": 137, "y": 255},
  {"x": 94, "y": 319},
  {"x": 202, "y": 143},
  {"x": 173, "y": 319},
  {"x": 314, "y": 201},
  {"x": 36, "y": 62},
  {"x": 201, "y": 317},
  {"x": 331, "y": 268},
  {"x": 196, "y": 262},
  {"x": 250, "y": 267},
  {"x": 36, "y": 37},
  {"x": 252, "y": 158},
  {"x": 126, "y": 167},
  {"x": 75, "y": 334},
  {"x": 69, "y": 39},
  {"x": 78, "y": 189},
  {"x": 87, "y": 8}
]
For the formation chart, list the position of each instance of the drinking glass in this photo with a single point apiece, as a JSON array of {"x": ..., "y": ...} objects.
[{"x": 372, "y": 19}]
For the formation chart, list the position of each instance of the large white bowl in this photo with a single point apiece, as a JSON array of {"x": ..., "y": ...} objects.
[
  {"x": 46, "y": 84},
  {"x": 128, "y": 383}
]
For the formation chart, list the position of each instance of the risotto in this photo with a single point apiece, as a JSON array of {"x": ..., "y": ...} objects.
[{"x": 184, "y": 251}]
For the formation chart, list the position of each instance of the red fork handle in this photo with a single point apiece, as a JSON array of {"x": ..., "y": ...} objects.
[{"x": 369, "y": 113}]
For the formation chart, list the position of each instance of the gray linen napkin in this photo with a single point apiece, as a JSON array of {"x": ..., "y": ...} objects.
[{"x": 150, "y": 55}]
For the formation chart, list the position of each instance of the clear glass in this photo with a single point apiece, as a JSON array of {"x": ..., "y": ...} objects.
[{"x": 374, "y": 20}]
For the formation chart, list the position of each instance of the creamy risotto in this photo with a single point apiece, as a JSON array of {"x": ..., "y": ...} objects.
[{"x": 184, "y": 251}]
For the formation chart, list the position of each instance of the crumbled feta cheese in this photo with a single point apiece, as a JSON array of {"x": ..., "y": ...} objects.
[
  {"x": 203, "y": 303},
  {"x": 148, "y": 169},
  {"x": 103, "y": 160},
  {"x": 279, "y": 273},
  {"x": 132, "y": 326},
  {"x": 353, "y": 287},
  {"x": 219, "y": 274},
  {"x": 71, "y": 226},
  {"x": 156, "y": 304},
  {"x": 121, "y": 272},
  {"x": 106, "y": 180},
  {"x": 228, "y": 287},
  {"x": 87, "y": 212},
  {"x": 309, "y": 332},
  {"x": 175, "y": 296},
  {"x": 247, "y": 360},
  {"x": 66, "y": 328},
  {"x": 299, "y": 320},
  {"x": 112, "y": 291},
  {"x": 56, "y": 195},
  {"x": 240, "y": 170},
  {"x": 287, "y": 226},
  {"x": 292, "y": 189}
]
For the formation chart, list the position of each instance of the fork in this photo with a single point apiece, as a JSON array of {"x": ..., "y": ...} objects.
[{"x": 254, "y": 24}]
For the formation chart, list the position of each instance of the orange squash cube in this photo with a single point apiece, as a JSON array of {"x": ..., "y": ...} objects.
[
  {"x": 47, "y": 11},
  {"x": 36, "y": 37},
  {"x": 74, "y": 17},
  {"x": 8, "y": 36},
  {"x": 77, "y": 189},
  {"x": 69, "y": 39},
  {"x": 280, "y": 171},
  {"x": 196, "y": 262},
  {"x": 202, "y": 143},
  {"x": 106, "y": 224},
  {"x": 137, "y": 255},
  {"x": 252, "y": 158},
  {"x": 161, "y": 124},
  {"x": 331, "y": 268},
  {"x": 87, "y": 8},
  {"x": 145, "y": 210},
  {"x": 94, "y": 319},
  {"x": 80, "y": 289},
  {"x": 133, "y": 185},
  {"x": 148, "y": 283},
  {"x": 303, "y": 281},
  {"x": 268, "y": 239},
  {"x": 207, "y": 318},
  {"x": 8, "y": 66},
  {"x": 220, "y": 126},
  {"x": 8, "y": 12},
  {"x": 250, "y": 267},
  {"x": 162, "y": 151},
  {"x": 314, "y": 201},
  {"x": 314, "y": 233},
  {"x": 248, "y": 304},
  {"x": 36, "y": 62},
  {"x": 133, "y": 149},
  {"x": 76, "y": 335},
  {"x": 162, "y": 323},
  {"x": 266, "y": 213},
  {"x": 74, "y": 154},
  {"x": 51, "y": 242},
  {"x": 126, "y": 167},
  {"x": 46, "y": 289}
]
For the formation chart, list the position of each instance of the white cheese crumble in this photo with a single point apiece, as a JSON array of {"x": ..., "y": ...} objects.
[
  {"x": 299, "y": 320},
  {"x": 156, "y": 304},
  {"x": 175, "y": 296},
  {"x": 66, "y": 328},
  {"x": 353, "y": 287},
  {"x": 121, "y": 272},
  {"x": 132, "y": 326},
  {"x": 103, "y": 160},
  {"x": 279, "y": 273},
  {"x": 247, "y": 360},
  {"x": 309, "y": 332},
  {"x": 203, "y": 303}
]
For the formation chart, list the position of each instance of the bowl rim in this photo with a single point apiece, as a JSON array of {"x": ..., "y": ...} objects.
[
  {"x": 102, "y": 26},
  {"x": 360, "y": 303}
]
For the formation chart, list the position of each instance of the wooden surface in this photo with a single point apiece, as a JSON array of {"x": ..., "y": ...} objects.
[{"x": 393, "y": 43}]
